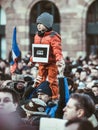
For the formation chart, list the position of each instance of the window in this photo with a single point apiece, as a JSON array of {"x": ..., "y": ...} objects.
[
  {"x": 92, "y": 29},
  {"x": 2, "y": 34}
]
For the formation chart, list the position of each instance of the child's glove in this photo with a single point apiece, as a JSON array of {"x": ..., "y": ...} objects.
[{"x": 61, "y": 66}]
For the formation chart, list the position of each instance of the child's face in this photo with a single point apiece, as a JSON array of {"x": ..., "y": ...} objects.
[{"x": 41, "y": 27}]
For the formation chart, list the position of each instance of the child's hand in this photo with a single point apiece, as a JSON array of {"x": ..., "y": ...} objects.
[{"x": 61, "y": 66}]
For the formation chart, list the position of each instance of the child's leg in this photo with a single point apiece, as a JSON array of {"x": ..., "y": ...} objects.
[
  {"x": 52, "y": 77},
  {"x": 42, "y": 73}
]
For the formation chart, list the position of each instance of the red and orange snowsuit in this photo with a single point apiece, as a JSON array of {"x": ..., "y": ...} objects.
[{"x": 49, "y": 70}]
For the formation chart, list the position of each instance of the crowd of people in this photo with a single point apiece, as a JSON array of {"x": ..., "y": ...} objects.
[
  {"x": 22, "y": 106},
  {"x": 55, "y": 91}
]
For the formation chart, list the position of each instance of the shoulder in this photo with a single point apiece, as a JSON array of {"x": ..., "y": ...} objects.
[
  {"x": 52, "y": 105},
  {"x": 54, "y": 33}
]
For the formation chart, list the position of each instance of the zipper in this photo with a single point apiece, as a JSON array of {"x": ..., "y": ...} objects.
[{"x": 40, "y": 40}]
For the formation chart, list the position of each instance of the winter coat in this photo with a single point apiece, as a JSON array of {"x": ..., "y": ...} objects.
[
  {"x": 53, "y": 39},
  {"x": 51, "y": 109},
  {"x": 34, "y": 120}
]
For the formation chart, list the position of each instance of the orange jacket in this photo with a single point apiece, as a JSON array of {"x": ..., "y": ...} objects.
[{"x": 54, "y": 40}]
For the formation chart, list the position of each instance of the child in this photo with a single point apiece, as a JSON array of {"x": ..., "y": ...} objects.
[{"x": 46, "y": 35}]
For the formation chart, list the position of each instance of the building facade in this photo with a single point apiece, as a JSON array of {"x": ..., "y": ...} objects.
[{"x": 75, "y": 20}]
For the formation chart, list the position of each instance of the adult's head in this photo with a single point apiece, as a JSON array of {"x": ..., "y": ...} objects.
[
  {"x": 19, "y": 87},
  {"x": 34, "y": 106},
  {"x": 8, "y": 100},
  {"x": 79, "y": 106},
  {"x": 44, "y": 92},
  {"x": 83, "y": 75},
  {"x": 95, "y": 89},
  {"x": 94, "y": 73},
  {"x": 79, "y": 124}
]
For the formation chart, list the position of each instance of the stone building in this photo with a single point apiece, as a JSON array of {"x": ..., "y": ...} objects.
[{"x": 75, "y": 20}]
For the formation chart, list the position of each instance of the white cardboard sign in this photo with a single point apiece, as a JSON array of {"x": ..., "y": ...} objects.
[
  {"x": 40, "y": 53},
  {"x": 52, "y": 124}
]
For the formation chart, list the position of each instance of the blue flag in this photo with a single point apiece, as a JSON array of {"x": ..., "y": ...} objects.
[
  {"x": 15, "y": 52},
  {"x": 15, "y": 49},
  {"x": 67, "y": 95}
]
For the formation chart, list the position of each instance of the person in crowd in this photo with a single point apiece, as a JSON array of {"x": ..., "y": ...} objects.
[
  {"x": 17, "y": 83},
  {"x": 34, "y": 71},
  {"x": 80, "y": 106},
  {"x": 79, "y": 124},
  {"x": 89, "y": 81},
  {"x": 93, "y": 59},
  {"x": 64, "y": 94},
  {"x": 72, "y": 86},
  {"x": 30, "y": 91},
  {"x": 8, "y": 101},
  {"x": 95, "y": 91},
  {"x": 35, "y": 109},
  {"x": 68, "y": 67},
  {"x": 45, "y": 94},
  {"x": 94, "y": 73},
  {"x": 7, "y": 74},
  {"x": 91, "y": 94},
  {"x": 47, "y": 36},
  {"x": 76, "y": 77},
  {"x": 4, "y": 70},
  {"x": 9, "y": 117},
  {"x": 82, "y": 82}
]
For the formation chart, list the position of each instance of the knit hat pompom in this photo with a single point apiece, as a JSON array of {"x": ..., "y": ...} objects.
[{"x": 46, "y": 19}]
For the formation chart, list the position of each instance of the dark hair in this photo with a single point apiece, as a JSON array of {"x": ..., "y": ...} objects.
[
  {"x": 12, "y": 92},
  {"x": 79, "y": 91},
  {"x": 95, "y": 85},
  {"x": 83, "y": 124},
  {"x": 85, "y": 102}
]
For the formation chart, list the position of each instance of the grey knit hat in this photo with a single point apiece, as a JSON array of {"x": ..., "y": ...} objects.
[{"x": 46, "y": 19}]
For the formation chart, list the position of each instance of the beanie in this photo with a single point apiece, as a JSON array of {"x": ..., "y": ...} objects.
[
  {"x": 44, "y": 88},
  {"x": 46, "y": 19},
  {"x": 34, "y": 106}
]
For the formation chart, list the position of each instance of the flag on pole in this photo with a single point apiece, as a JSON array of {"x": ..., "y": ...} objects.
[
  {"x": 15, "y": 49},
  {"x": 15, "y": 52}
]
